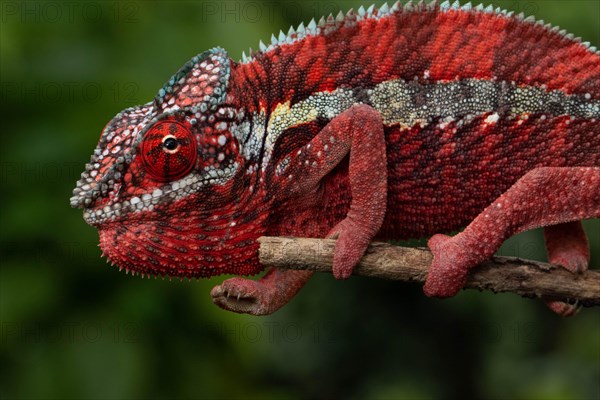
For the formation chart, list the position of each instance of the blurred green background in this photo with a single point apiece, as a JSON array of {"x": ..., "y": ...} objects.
[{"x": 73, "y": 328}]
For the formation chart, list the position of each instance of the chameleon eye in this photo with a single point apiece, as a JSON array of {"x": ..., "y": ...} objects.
[{"x": 168, "y": 150}]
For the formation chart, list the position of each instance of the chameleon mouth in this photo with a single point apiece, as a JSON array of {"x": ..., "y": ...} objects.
[
  {"x": 96, "y": 217},
  {"x": 113, "y": 212},
  {"x": 110, "y": 210}
]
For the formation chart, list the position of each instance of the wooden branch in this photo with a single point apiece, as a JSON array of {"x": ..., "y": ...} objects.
[{"x": 500, "y": 274}]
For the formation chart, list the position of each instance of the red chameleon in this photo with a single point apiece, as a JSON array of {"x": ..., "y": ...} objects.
[{"x": 389, "y": 123}]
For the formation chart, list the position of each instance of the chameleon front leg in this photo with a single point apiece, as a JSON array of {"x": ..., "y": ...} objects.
[
  {"x": 544, "y": 196},
  {"x": 358, "y": 132}
]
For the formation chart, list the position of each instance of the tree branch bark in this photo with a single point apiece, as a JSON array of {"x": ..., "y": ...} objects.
[{"x": 500, "y": 274}]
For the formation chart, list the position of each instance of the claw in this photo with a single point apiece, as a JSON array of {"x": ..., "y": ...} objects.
[
  {"x": 564, "y": 309},
  {"x": 245, "y": 291}
]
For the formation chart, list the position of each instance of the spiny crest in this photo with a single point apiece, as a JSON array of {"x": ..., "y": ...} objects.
[{"x": 330, "y": 24}]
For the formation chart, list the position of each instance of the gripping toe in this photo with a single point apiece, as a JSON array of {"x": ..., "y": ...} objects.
[
  {"x": 567, "y": 246},
  {"x": 562, "y": 308},
  {"x": 352, "y": 242},
  {"x": 449, "y": 268}
]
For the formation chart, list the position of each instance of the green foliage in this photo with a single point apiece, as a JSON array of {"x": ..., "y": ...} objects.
[{"x": 71, "y": 328}]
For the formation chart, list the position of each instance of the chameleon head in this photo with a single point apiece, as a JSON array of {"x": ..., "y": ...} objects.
[{"x": 162, "y": 184}]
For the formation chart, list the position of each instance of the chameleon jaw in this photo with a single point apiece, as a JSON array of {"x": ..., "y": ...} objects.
[
  {"x": 166, "y": 194},
  {"x": 113, "y": 212}
]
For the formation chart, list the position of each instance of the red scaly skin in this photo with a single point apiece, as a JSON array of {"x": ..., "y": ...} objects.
[{"x": 390, "y": 124}]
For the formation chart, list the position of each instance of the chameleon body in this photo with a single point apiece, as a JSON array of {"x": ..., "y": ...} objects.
[{"x": 390, "y": 123}]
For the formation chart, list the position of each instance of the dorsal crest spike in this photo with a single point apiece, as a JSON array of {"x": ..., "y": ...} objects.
[{"x": 327, "y": 25}]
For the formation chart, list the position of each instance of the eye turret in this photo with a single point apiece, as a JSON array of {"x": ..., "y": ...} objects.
[{"x": 168, "y": 150}]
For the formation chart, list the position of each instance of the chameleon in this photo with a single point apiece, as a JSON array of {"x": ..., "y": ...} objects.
[{"x": 397, "y": 122}]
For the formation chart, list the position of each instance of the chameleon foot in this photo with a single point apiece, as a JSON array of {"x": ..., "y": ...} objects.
[
  {"x": 352, "y": 242},
  {"x": 568, "y": 247},
  {"x": 261, "y": 297},
  {"x": 449, "y": 268},
  {"x": 240, "y": 295},
  {"x": 562, "y": 308}
]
